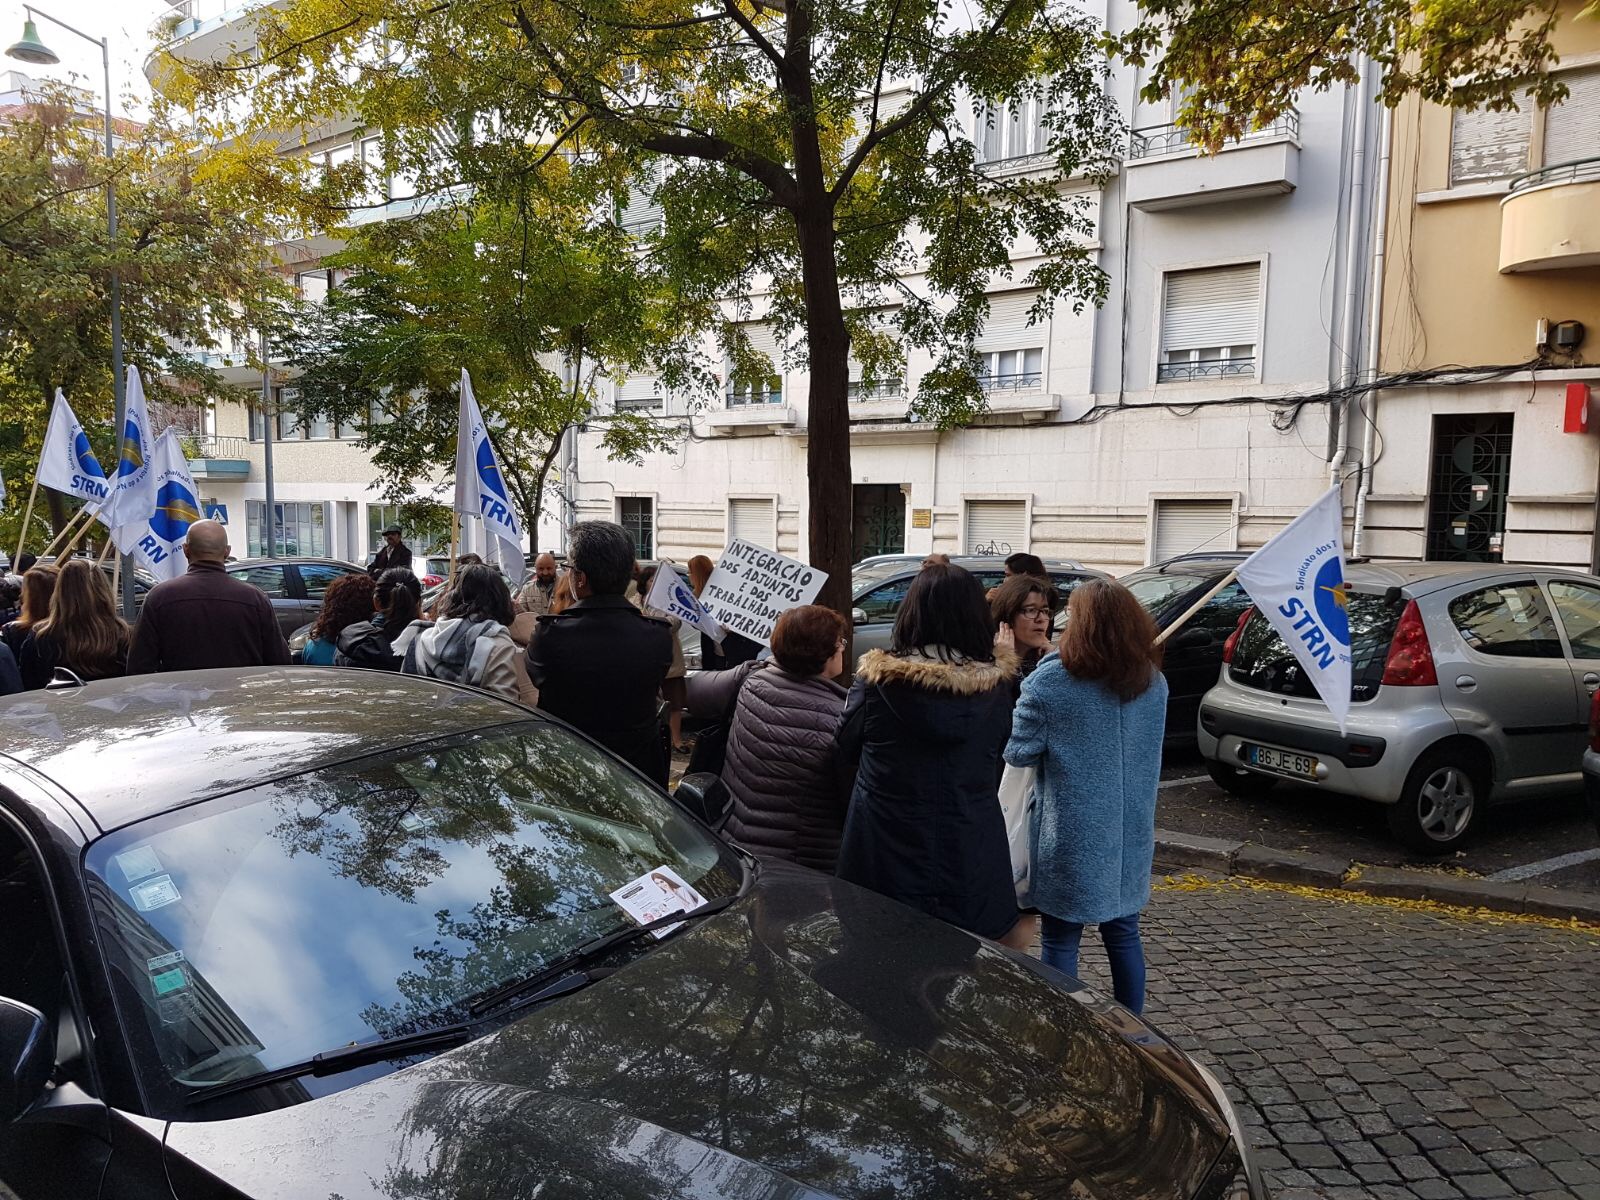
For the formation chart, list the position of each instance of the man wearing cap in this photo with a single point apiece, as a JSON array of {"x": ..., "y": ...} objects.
[{"x": 395, "y": 553}]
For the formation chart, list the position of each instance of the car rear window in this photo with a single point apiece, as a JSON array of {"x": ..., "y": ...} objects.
[{"x": 1263, "y": 661}]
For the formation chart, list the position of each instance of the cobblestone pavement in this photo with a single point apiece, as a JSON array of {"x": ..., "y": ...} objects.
[{"x": 1382, "y": 1051}]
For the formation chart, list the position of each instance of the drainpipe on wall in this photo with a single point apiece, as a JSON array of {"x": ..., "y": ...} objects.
[
  {"x": 1339, "y": 434},
  {"x": 1380, "y": 242}
]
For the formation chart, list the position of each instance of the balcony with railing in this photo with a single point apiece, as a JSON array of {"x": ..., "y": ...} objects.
[
  {"x": 1550, "y": 218},
  {"x": 217, "y": 457},
  {"x": 1166, "y": 169},
  {"x": 752, "y": 410},
  {"x": 1201, "y": 369}
]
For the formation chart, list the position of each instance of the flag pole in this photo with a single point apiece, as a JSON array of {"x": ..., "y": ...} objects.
[
  {"x": 1195, "y": 607},
  {"x": 105, "y": 550},
  {"x": 455, "y": 539},
  {"x": 72, "y": 524},
  {"x": 22, "y": 533},
  {"x": 72, "y": 543}
]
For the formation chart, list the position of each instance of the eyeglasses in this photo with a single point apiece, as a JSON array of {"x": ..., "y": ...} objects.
[{"x": 1033, "y": 611}]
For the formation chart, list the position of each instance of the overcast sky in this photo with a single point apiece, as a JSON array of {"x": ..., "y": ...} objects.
[{"x": 126, "y": 22}]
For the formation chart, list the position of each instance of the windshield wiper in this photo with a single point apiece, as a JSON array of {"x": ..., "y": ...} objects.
[
  {"x": 587, "y": 951},
  {"x": 344, "y": 1058}
]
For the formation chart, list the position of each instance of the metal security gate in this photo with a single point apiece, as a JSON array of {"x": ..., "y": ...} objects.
[
  {"x": 1467, "y": 487},
  {"x": 878, "y": 516},
  {"x": 1191, "y": 527}
]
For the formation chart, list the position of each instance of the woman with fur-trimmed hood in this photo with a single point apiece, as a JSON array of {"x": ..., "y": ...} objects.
[{"x": 929, "y": 719}]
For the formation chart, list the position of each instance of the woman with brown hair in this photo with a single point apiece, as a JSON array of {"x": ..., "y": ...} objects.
[
  {"x": 347, "y": 601},
  {"x": 1024, "y": 605},
  {"x": 83, "y": 632},
  {"x": 1091, "y": 719},
  {"x": 38, "y": 585}
]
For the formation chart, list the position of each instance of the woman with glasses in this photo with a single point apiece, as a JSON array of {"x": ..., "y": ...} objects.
[{"x": 1022, "y": 607}]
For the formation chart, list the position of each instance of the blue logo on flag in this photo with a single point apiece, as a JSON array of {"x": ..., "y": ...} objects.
[
  {"x": 176, "y": 510},
  {"x": 85, "y": 456},
  {"x": 1328, "y": 594},
  {"x": 488, "y": 472},
  {"x": 132, "y": 457}
]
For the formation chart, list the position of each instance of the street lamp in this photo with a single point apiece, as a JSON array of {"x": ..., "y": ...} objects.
[{"x": 31, "y": 50}]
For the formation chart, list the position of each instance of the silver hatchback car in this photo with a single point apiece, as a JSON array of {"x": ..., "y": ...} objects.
[{"x": 1471, "y": 685}]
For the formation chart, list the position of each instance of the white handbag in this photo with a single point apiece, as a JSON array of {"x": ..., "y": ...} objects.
[{"x": 1016, "y": 806}]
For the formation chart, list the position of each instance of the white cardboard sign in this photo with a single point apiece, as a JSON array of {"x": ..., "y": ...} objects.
[{"x": 753, "y": 586}]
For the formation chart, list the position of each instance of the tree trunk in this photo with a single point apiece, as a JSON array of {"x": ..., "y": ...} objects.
[{"x": 828, "y": 421}]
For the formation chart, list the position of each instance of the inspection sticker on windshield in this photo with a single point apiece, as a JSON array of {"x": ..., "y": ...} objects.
[
  {"x": 139, "y": 863},
  {"x": 155, "y": 893},
  {"x": 167, "y": 973},
  {"x": 654, "y": 895}
]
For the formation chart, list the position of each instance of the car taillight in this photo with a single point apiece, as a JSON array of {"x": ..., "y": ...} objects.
[
  {"x": 1594, "y": 722},
  {"x": 1410, "y": 661},
  {"x": 1232, "y": 644}
]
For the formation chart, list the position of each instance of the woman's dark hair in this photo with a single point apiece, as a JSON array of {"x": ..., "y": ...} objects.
[
  {"x": 1110, "y": 637},
  {"x": 38, "y": 585},
  {"x": 1022, "y": 563},
  {"x": 347, "y": 600},
  {"x": 1012, "y": 596},
  {"x": 945, "y": 607},
  {"x": 646, "y": 576},
  {"x": 398, "y": 596},
  {"x": 10, "y": 591},
  {"x": 805, "y": 638},
  {"x": 83, "y": 620},
  {"x": 480, "y": 594}
]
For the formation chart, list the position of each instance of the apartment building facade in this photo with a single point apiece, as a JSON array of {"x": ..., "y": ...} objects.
[{"x": 1493, "y": 261}]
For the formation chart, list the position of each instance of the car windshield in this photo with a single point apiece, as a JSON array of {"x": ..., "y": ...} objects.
[
  {"x": 865, "y": 575},
  {"x": 1262, "y": 659},
  {"x": 373, "y": 899},
  {"x": 1156, "y": 592}
]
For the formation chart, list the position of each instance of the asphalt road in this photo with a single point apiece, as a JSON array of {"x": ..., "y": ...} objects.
[
  {"x": 1380, "y": 1050},
  {"x": 1531, "y": 837}
]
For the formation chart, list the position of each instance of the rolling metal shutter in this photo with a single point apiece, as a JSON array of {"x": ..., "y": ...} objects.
[
  {"x": 753, "y": 520},
  {"x": 1007, "y": 326},
  {"x": 638, "y": 393},
  {"x": 996, "y": 526},
  {"x": 1572, "y": 128},
  {"x": 1215, "y": 306},
  {"x": 1488, "y": 145},
  {"x": 642, "y": 213},
  {"x": 1187, "y": 526}
]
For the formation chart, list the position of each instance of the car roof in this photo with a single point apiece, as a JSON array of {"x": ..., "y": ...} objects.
[
  {"x": 1421, "y": 578},
  {"x": 1212, "y": 563},
  {"x": 296, "y": 559},
  {"x": 130, "y": 748}
]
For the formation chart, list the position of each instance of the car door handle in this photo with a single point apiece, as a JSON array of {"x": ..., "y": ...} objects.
[
  {"x": 1591, "y": 681},
  {"x": 1466, "y": 683}
]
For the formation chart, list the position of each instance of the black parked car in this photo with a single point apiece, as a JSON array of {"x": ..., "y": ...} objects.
[
  {"x": 1194, "y": 654},
  {"x": 294, "y": 585},
  {"x": 298, "y": 933}
]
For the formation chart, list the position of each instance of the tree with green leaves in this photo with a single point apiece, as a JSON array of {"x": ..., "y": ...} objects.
[
  {"x": 542, "y": 306},
  {"x": 190, "y": 252},
  {"x": 815, "y": 156},
  {"x": 1239, "y": 64}
]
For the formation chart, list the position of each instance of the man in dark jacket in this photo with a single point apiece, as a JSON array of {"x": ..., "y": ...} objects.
[
  {"x": 395, "y": 553},
  {"x": 204, "y": 618},
  {"x": 599, "y": 665}
]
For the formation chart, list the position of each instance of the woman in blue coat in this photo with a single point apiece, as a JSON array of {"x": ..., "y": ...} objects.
[{"x": 1091, "y": 720}]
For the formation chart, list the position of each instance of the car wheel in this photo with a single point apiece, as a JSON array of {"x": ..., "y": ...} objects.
[
  {"x": 1238, "y": 782},
  {"x": 1440, "y": 802}
]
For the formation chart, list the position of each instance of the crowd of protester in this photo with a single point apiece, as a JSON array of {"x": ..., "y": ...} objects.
[{"x": 893, "y": 784}]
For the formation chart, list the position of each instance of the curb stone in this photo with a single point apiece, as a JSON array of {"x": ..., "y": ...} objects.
[{"x": 1245, "y": 859}]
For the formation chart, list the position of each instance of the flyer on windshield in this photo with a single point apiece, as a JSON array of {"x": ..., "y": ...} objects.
[{"x": 656, "y": 894}]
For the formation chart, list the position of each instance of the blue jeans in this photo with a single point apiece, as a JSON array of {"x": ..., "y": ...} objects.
[{"x": 1058, "y": 945}]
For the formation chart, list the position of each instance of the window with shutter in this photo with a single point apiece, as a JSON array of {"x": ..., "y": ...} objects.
[
  {"x": 1572, "y": 128},
  {"x": 642, "y": 214},
  {"x": 1209, "y": 319},
  {"x": 742, "y": 392},
  {"x": 754, "y": 520},
  {"x": 1488, "y": 145},
  {"x": 1187, "y": 526},
  {"x": 639, "y": 393},
  {"x": 1010, "y": 349},
  {"x": 996, "y": 526}
]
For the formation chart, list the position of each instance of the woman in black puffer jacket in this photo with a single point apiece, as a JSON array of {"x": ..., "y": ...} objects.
[{"x": 781, "y": 767}]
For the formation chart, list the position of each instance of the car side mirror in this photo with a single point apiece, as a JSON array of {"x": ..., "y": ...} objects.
[
  {"x": 858, "y": 616},
  {"x": 1192, "y": 639},
  {"x": 705, "y": 795},
  {"x": 27, "y": 1056}
]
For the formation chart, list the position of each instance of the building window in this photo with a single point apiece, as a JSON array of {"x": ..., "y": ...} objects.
[
  {"x": 1191, "y": 526},
  {"x": 1572, "y": 128},
  {"x": 312, "y": 285},
  {"x": 1209, "y": 320},
  {"x": 754, "y": 520},
  {"x": 1488, "y": 145},
  {"x": 636, "y": 514},
  {"x": 377, "y": 179},
  {"x": 995, "y": 526},
  {"x": 319, "y": 428},
  {"x": 258, "y": 422},
  {"x": 1015, "y": 129},
  {"x": 381, "y": 515},
  {"x": 639, "y": 393},
  {"x": 1011, "y": 370},
  {"x": 299, "y": 529},
  {"x": 767, "y": 390}
]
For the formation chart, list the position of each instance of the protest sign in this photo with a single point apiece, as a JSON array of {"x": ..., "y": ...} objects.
[{"x": 752, "y": 587}]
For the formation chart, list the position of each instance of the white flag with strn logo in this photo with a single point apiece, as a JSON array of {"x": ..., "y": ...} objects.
[
  {"x": 133, "y": 493},
  {"x": 669, "y": 594},
  {"x": 67, "y": 463},
  {"x": 1297, "y": 581},
  {"x": 481, "y": 490}
]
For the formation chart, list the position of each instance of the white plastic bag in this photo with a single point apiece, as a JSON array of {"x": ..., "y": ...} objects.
[{"x": 1016, "y": 805}]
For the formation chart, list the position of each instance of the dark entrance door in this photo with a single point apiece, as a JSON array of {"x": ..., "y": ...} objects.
[
  {"x": 879, "y": 520},
  {"x": 1467, "y": 490}
]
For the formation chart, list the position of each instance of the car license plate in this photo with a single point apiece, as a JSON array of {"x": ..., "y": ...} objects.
[{"x": 1285, "y": 761}]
